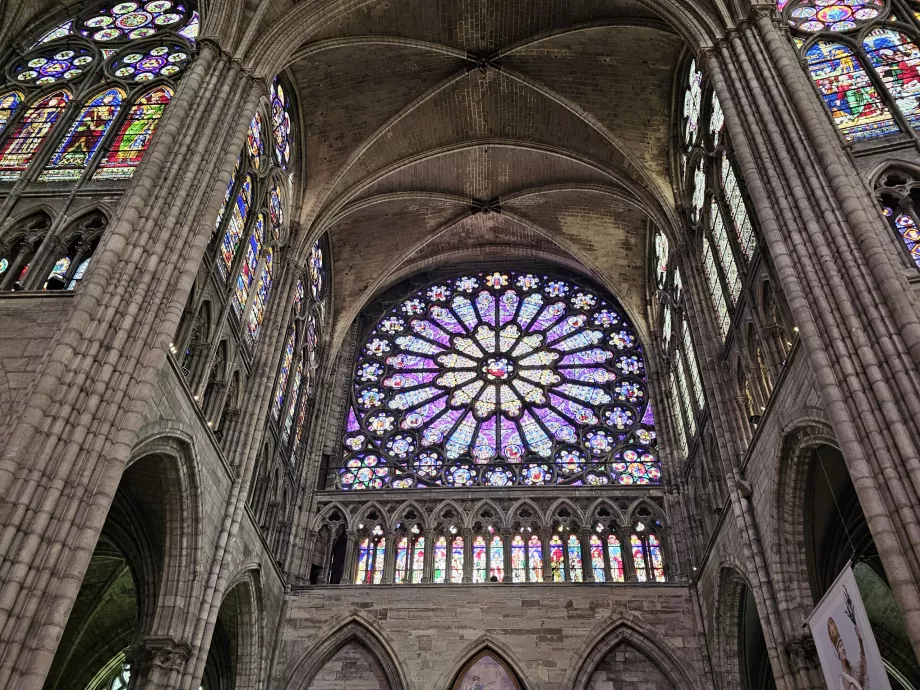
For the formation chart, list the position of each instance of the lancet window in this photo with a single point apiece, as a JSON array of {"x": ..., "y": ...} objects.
[
  {"x": 898, "y": 192},
  {"x": 499, "y": 379},
  {"x": 863, "y": 59},
  {"x": 83, "y": 103},
  {"x": 719, "y": 214}
]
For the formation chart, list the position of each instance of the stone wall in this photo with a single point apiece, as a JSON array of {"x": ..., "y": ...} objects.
[{"x": 553, "y": 636}]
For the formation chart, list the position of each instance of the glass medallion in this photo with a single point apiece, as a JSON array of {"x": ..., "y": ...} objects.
[
  {"x": 831, "y": 15},
  {"x": 497, "y": 370},
  {"x": 134, "y": 20},
  {"x": 107, "y": 35},
  {"x": 163, "y": 60}
]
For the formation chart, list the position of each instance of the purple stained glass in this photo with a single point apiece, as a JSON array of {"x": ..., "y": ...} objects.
[
  {"x": 501, "y": 378},
  {"x": 117, "y": 22}
]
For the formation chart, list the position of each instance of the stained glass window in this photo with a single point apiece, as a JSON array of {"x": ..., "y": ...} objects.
[
  {"x": 371, "y": 557},
  {"x": 275, "y": 210},
  {"x": 744, "y": 230},
  {"x": 53, "y": 65},
  {"x": 25, "y": 138},
  {"x": 281, "y": 124},
  {"x": 518, "y": 559},
  {"x": 724, "y": 251},
  {"x": 684, "y": 392},
  {"x": 440, "y": 560},
  {"x": 575, "y": 565},
  {"x": 661, "y": 258},
  {"x": 896, "y": 59},
  {"x": 235, "y": 226},
  {"x": 557, "y": 559},
  {"x": 716, "y": 119},
  {"x": 191, "y": 29},
  {"x": 692, "y": 100},
  {"x": 692, "y": 362},
  {"x": 121, "y": 21},
  {"x": 135, "y": 134},
  {"x": 295, "y": 396},
  {"x": 820, "y": 15},
  {"x": 479, "y": 559},
  {"x": 638, "y": 552},
  {"x": 535, "y": 558},
  {"x": 615, "y": 554},
  {"x": 855, "y": 104},
  {"x": 56, "y": 33},
  {"x": 83, "y": 137},
  {"x": 250, "y": 265},
  {"x": 456, "y": 560},
  {"x": 9, "y": 102},
  {"x": 59, "y": 271},
  {"x": 597, "y": 559},
  {"x": 715, "y": 288},
  {"x": 907, "y": 230},
  {"x": 418, "y": 560},
  {"x": 287, "y": 360},
  {"x": 316, "y": 271},
  {"x": 655, "y": 557},
  {"x": 260, "y": 299},
  {"x": 78, "y": 274},
  {"x": 678, "y": 427},
  {"x": 698, "y": 197},
  {"x": 496, "y": 558},
  {"x": 254, "y": 144},
  {"x": 402, "y": 561},
  {"x": 498, "y": 378}
]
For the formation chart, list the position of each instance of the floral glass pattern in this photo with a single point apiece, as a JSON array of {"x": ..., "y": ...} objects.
[
  {"x": 135, "y": 135},
  {"x": 831, "y": 15},
  {"x": 498, "y": 378},
  {"x": 52, "y": 65},
  {"x": 83, "y": 137},
  {"x": 23, "y": 141},
  {"x": 127, "y": 21},
  {"x": 904, "y": 225},
  {"x": 281, "y": 125}
]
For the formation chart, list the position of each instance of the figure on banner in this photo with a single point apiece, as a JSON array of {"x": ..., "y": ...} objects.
[{"x": 850, "y": 678}]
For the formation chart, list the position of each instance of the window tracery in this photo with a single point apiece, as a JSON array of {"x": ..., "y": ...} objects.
[
  {"x": 99, "y": 60},
  {"x": 497, "y": 379},
  {"x": 897, "y": 192},
  {"x": 523, "y": 546},
  {"x": 863, "y": 59}
]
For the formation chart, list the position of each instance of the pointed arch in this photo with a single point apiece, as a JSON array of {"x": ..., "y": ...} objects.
[
  {"x": 478, "y": 648},
  {"x": 732, "y": 584},
  {"x": 355, "y": 628},
  {"x": 135, "y": 134},
  {"x": 461, "y": 515},
  {"x": 422, "y": 518},
  {"x": 25, "y": 139},
  {"x": 83, "y": 138},
  {"x": 526, "y": 503},
  {"x": 499, "y": 515},
  {"x": 327, "y": 510},
  {"x": 577, "y": 515},
  {"x": 616, "y": 514},
  {"x": 609, "y": 636},
  {"x": 241, "y": 616}
]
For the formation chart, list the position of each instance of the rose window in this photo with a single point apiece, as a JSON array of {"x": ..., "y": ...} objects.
[
  {"x": 500, "y": 379},
  {"x": 830, "y": 15}
]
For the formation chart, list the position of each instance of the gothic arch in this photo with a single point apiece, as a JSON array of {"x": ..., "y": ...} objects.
[
  {"x": 355, "y": 628},
  {"x": 461, "y": 515},
  {"x": 514, "y": 511},
  {"x": 241, "y": 614},
  {"x": 319, "y": 520},
  {"x": 610, "y": 635},
  {"x": 616, "y": 514},
  {"x": 178, "y": 469},
  {"x": 399, "y": 514},
  {"x": 484, "y": 644},
  {"x": 790, "y": 565},
  {"x": 732, "y": 583},
  {"x": 644, "y": 502},
  {"x": 499, "y": 516},
  {"x": 577, "y": 515}
]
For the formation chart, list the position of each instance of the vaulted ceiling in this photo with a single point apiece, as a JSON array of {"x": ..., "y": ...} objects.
[{"x": 445, "y": 131}]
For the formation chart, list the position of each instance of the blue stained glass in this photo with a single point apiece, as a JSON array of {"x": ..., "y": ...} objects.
[{"x": 490, "y": 375}]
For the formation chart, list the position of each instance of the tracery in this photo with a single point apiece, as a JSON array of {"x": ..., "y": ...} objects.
[
  {"x": 863, "y": 58},
  {"x": 103, "y": 57},
  {"x": 497, "y": 379}
]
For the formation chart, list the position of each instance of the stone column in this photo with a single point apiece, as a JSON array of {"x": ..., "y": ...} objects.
[
  {"x": 587, "y": 564},
  {"x": 546, "y": 534},
  {"x": 467, "y": 555},
  {"x": 157, "y": 662},
  {"x": 349, "y": 565},
  {"x": 629, "y": 568},
  {"x": 428, "y": 569},
  {"x": 389, "y": 561},
  {"x": 506, "y": 553},
  {"x": 102, "y": 368}
]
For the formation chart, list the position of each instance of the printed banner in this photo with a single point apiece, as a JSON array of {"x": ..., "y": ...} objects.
[{"x": 846, "y": 646}]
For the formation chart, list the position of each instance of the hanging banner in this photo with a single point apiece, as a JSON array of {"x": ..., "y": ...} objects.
[{"x": 846, "y": 646}]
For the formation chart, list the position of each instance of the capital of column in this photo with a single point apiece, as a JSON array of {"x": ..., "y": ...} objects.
[
  {"x": 802, "y": 652},
  {"x": 158, "y": 651}
]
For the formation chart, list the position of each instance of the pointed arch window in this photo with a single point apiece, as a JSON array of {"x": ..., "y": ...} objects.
[
  {"x": 102, "y": 54},
  {"x": 518, "y": 559},
  {"x": 27, "y": 136},
  {"x": 249, "y": 269},
  {"x": 9, "y": 102},
  {"x": 260, "y": 299},
  {"x": 371, "y": 557},
  {"x": 480, "y": 558},
  {"x": 235, "y": 226},
  {"x": 286, "y": 362},
  {"x": 898, "y": 193},
  {"x": 496, "y": 559},
  {"x": 648, "y": 558},
  {"x": 281, "y": 124},
  {"x": 440, "y": 560},
  {"x": 868, "y": 78},
  {"x": 134, "y": 136},
  {"x": 84, "y": 137},
  {"x": 557, "y": 558},
  {"x": 410, "y": 558}
]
